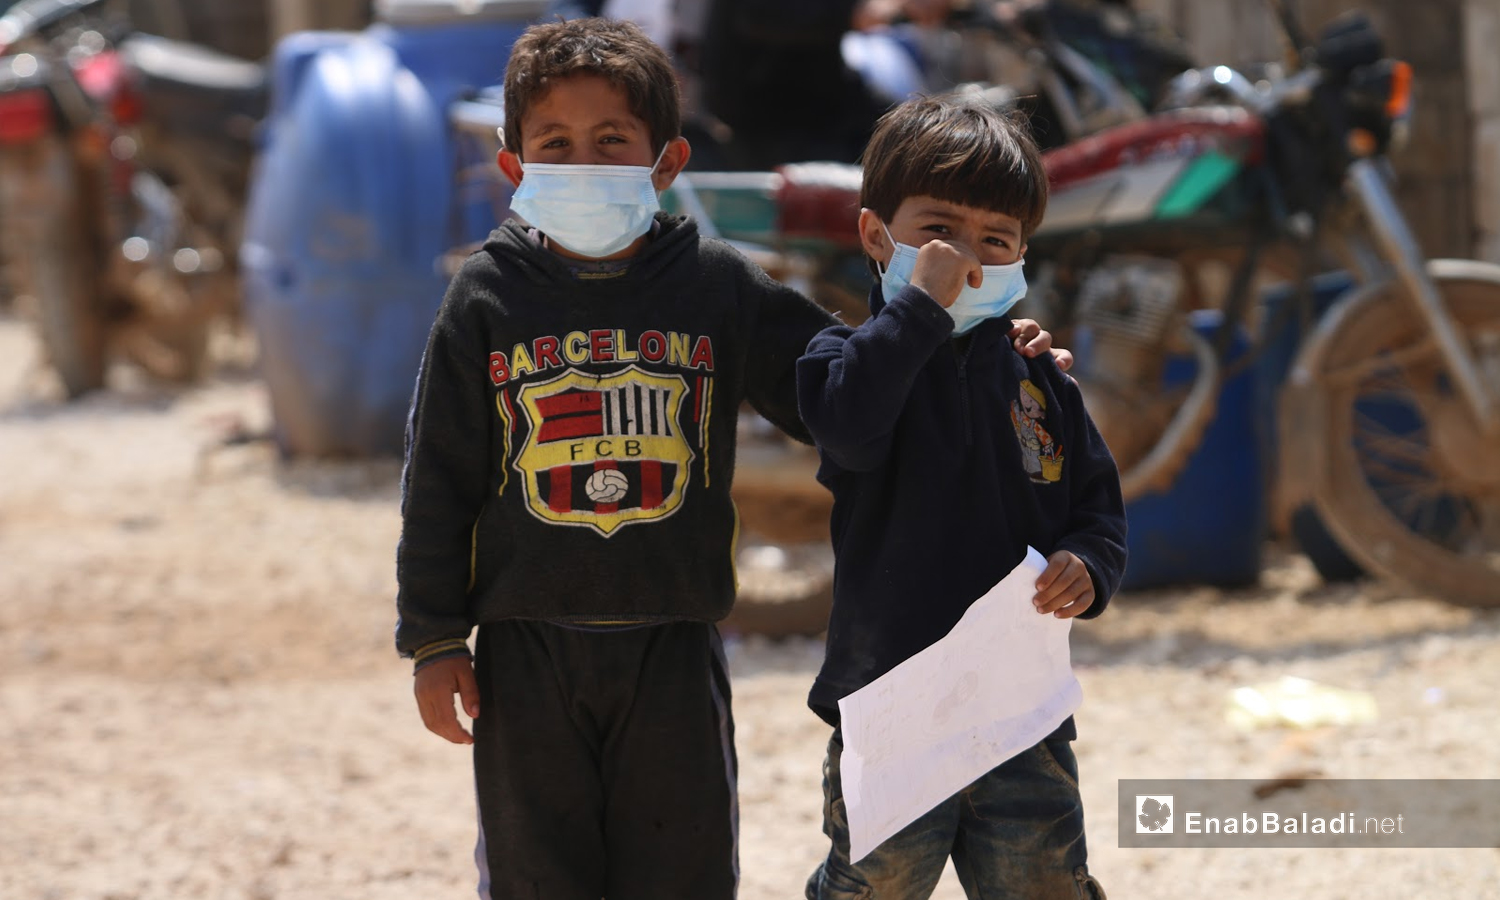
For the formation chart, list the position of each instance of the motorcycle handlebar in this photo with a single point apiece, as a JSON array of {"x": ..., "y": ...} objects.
[
  {"x": 31, "y": 17},
  {"x": 1191, "y": 87}
]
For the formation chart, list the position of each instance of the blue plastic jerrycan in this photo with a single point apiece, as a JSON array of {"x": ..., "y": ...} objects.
[{"x": 356, "y": 198}]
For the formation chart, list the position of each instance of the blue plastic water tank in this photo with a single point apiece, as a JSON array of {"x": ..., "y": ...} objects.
[
  {"x": 353, "y": 205},
  {"x": 1209, "y": 526}
]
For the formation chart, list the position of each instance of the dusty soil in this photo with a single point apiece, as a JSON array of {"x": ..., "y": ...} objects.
[{"x": 199, "y": 697}]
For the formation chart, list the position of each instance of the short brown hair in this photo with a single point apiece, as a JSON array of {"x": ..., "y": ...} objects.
[
  {"x": 956, "y": 148},
  {"x": 616, "y": 50}
]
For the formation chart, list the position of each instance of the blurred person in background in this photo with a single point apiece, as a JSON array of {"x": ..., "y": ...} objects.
[
  {"x": 775, "y": 73},
  {"x": 767, "y": 82}
]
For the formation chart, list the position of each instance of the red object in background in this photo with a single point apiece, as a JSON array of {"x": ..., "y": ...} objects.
[
  {"x": 819, "y": 201},
  {"x": 100, "y": 75},
  {"x": 24, "y": 116},
  {"x": 106, "y": 80}
]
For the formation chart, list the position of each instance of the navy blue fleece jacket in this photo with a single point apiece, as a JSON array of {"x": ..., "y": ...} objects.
[{"x": 946, "y": 458}]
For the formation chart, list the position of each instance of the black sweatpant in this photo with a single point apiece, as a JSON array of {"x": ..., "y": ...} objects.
[{"x": 604, "y": 763}]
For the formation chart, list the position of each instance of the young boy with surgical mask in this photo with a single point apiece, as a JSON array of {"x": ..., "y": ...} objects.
[
  {"x": 566, "y": 489},
  {"x": 948, "y": 453}
]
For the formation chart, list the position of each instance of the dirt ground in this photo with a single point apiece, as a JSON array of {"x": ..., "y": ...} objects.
[{"x": 199, "y": 699}]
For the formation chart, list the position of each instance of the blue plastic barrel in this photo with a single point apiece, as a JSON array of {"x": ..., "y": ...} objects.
[
  {"x": 1209, "y": 526},
  {"x": 352, "y": 207}
]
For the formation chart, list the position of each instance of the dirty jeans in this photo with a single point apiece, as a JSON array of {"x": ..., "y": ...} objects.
[{"x": 1014, "y": 834}]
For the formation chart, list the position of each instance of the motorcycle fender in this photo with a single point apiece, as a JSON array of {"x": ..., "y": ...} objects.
[{"x": 1303, "y": 408}]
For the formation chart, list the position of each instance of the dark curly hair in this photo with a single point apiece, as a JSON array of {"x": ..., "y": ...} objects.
[{"x": 616, "y": 50}]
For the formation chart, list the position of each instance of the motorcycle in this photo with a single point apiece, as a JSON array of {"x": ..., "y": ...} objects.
[
  {"x": 1389, "y": 426},
  {"x": 123, "y": 164}
]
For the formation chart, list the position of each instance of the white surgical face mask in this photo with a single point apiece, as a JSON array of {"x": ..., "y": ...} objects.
[
  {"x": 1002, "y": 288},
  {"x": 594, "y": 211}
]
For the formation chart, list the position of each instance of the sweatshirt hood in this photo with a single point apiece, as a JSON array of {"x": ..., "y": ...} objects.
[{"x": 512, "y": 244}]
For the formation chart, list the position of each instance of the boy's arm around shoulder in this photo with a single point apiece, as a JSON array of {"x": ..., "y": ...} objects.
[
  {"x": 445, "y": 481},
  {"x": 782, "y": 323},
  {"x": 853, "y": 383},
  {"x": 1096, "y": 516}
]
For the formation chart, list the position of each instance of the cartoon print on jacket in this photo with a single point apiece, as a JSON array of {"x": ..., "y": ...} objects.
[{"x": 1043, "y": 455}]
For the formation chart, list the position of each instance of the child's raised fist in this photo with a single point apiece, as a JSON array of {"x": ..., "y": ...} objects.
[{"x": 942, "y": 269}]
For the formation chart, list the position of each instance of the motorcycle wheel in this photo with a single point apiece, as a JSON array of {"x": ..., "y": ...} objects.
[
  {"x": 1405, "y": 479},
  {"x": 48, "y": 236},
  {"x": 176, "y": 353},
  {"x": 1153, "y": 433},
  {"x": 782, "y": 506},
  {"x": 782, "y": 604},
  {"x": 1159, "y": 468}
]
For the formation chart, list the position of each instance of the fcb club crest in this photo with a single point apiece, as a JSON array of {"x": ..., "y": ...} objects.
[{"x": 605, "y": 451}]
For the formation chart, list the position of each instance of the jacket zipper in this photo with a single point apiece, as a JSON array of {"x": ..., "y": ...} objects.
[{"x": 961, "y": 360}]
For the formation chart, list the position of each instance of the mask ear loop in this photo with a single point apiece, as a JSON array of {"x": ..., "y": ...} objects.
[
  {"x": 881, "y": 269},
  {"x": 659, "y": 155}
]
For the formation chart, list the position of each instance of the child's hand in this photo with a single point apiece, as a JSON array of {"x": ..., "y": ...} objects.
[
  {"x": 1032, "y": 341},
  {"x": 943, "y": 269},
  {"x": 1065, "y": 588},
  {"x": 435, "y": 686}
]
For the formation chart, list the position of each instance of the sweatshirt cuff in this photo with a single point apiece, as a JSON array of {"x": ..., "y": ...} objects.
[
  {"x": 1101, "y": 592},
  {"x": 926, "y": 310},
  {"x": 431, "y": 653},
  {"x": 1101, "y": 599}
]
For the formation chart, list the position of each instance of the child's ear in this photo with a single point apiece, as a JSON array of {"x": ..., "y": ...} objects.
[
  {"x": 510, "y": 166},
  {"x": 872, "y": 238},
  {"x": 674, "y": 158}
]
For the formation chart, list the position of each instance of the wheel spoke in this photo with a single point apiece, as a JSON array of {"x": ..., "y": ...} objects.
[
  {"x": 1398, "y": 461},
  {"x": 1424, "y": 350},
  {"x": 1409, "y": 501},
  {"x": 1394, "y": 447}
]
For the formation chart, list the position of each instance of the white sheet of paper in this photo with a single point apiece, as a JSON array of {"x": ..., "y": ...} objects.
[{"x": 996, "y": 684}]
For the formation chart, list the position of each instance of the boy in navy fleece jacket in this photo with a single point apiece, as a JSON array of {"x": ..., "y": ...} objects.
[{"x": 947, "y": 453}]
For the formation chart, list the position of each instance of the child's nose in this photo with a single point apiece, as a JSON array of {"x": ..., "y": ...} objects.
[{"x": 962, "y": 238}]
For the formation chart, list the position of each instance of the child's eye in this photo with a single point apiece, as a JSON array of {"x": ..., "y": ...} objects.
[
  {"x": 554, "y": 144},
  {"x": 612, "y": 139},
  {"x": 998, "y": 242},
  {"x": 939, "y": 228}
]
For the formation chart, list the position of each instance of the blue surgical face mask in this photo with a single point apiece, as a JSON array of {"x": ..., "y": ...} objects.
[
  {"x": 1002, "y": 288},
  {"x": 594, "y": 211}
]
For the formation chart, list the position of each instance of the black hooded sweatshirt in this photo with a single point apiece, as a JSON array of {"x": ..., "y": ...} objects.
[{"x": 572, "y": 438}]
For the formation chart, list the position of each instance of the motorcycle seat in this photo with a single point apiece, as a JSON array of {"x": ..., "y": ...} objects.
[
  {"x": 819, "y": 201},
  {"x": 192, "y": 87}
]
